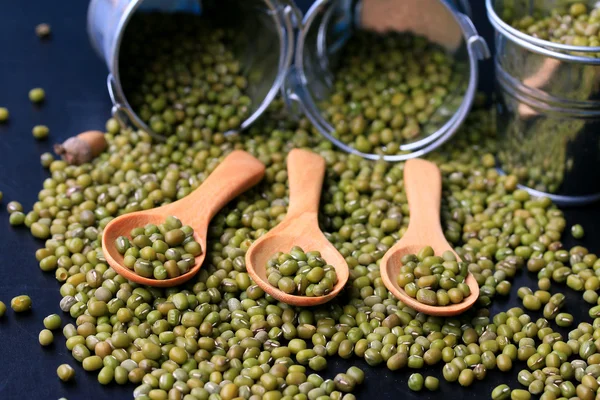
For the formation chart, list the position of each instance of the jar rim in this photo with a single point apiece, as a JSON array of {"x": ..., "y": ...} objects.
[{"x": 540, "y": 46}]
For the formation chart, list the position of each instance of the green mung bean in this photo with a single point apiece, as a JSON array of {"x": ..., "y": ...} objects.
[
  {"x": 501, "y": 392},
  {"x": 520, "y": 394},
  {"x": 46, "y": 337},
  {"x": 16, "y": 218},
  {"x": 415, "y": 382},
  {"x": 577, "y": 231},
  {"x": 37, "y": 95},
  {"x": 65, "y": 372},
  {"x": 40, "y": 132},
  {"x": 432, "y": 383},
  {"x": 4, "y": 114},
  {"x": 21, "y": 303}
]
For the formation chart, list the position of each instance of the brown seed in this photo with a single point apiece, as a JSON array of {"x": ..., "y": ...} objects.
[
  {"x": 43, "y": 30},
  {"x": 82, "y": 148},
  {"x": 172, "y": 269},
  {"x": 103, "y": 349}
]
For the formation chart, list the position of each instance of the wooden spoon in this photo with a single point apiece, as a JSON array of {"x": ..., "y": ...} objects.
[
  {"x": 238, "y": 172},
  {"x": 300, "y": 227},
  {"x": 423, "y": 183}
]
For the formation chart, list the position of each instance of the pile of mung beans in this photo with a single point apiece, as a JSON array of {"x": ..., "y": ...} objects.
[
  {"x": 387, "y": 89},
  {"x": 181, "y": 73},
  {"x": 573, "y": 23},
  {"x": 160, "y": 251},
  {"x": 219, "y": 336},
  {"x": 222, "y": 335},
  {"x": 301, "y": 273},
  {"x": 434, "y": 280}
]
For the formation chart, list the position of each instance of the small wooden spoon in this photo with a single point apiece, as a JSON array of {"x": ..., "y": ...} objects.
[
  {"x": 300, "y": 227},
  {"x": 423, "y": 183},
  {"x": 238, "y": 172}
]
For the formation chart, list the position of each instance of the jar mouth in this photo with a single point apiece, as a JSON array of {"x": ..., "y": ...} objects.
[
  {"x": 452, "y": 115},
  {"x": 541, "y": 46},
  {"x": 280, "y": 29}
]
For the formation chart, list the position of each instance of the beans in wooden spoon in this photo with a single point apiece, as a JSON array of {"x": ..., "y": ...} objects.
[
  {"x": 423, "y": 185},
  {"x": 238, "y": 172},
  {"x": 300, "y": 227}
]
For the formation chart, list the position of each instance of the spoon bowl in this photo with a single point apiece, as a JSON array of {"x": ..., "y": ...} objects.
[
  {"x": 300, "y": 227},
  {"x": 283, "y": 239},
  {"x": 423, "y": 183},
  {"x": 391, "y": 265},
  {"x": 238, "y": 172},
  {"x": 124, "y": 227}
]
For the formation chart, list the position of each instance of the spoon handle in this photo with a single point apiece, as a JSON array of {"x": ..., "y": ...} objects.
[
  {"x": 306, "y": 171},
  {"x": 238, "y": 172},
  {"x": 423, "y": 185}
]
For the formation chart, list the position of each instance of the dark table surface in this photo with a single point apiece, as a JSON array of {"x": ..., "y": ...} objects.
[{"x": 77, "y": 100}]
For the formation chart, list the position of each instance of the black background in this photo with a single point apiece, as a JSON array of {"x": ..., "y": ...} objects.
[{"x": 77, "y": 100}]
